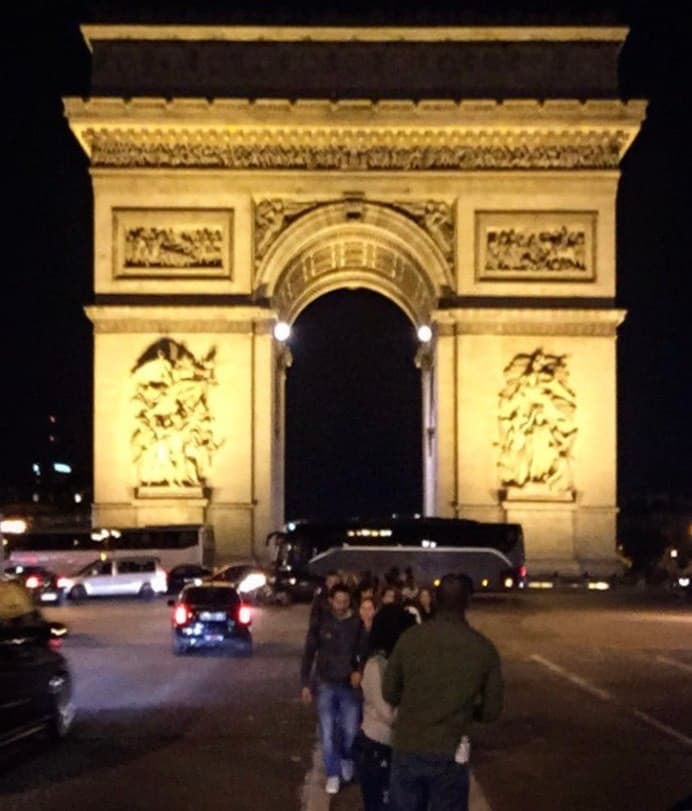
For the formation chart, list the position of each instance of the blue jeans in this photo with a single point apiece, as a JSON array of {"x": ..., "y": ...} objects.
[
  {"x": 338, "y": 712},
  {"x": 428, "y": 783}
]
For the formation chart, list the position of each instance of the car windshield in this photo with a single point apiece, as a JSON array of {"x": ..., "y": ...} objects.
[{"x": 210, "y": 596}]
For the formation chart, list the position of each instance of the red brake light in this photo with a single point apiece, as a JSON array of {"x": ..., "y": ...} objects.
[
  {"x": 62, "y": 582},
  {"x": 244, "y": 615},
  {"x": 522, "y": 571},
  {"x": 181, "y": 615},
  {"x": 33, "y": 582}
]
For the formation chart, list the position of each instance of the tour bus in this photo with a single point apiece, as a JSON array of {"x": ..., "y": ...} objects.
[
  {"x": 491, "y": 554},
  {"x": 64, "y": 551}
]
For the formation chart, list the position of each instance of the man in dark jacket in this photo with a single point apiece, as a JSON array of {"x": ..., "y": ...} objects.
[
  {"x": 336, "y": 646},
  {"x": 441, "y": 676}
]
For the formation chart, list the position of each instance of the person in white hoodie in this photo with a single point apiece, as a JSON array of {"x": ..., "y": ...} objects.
[{"x": 373, "y": 746}]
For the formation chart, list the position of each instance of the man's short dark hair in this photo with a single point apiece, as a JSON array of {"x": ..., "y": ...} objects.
[
  {"x": 337, "y": 587},
  {"x": 454, "y": 592}
]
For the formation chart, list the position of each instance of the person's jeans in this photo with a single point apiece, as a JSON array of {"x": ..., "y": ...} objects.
[
  {"x": 374, "y": 761},
  {"x": 428, "y": 783},
  {"x": 338, "y": 711}
]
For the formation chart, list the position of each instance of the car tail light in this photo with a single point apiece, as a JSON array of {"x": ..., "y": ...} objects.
[
  {"x": 244, "y": 615},
  {"x": 62, "y": 582},
  {"x": 521, "y": 571},
  {"x": 54, "y": 644},
  {"x": 181, "y": 615},
  {"x": 33, "y": 582}
]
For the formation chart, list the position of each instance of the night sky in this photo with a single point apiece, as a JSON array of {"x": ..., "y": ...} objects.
[{"x": 364, "y": 420}]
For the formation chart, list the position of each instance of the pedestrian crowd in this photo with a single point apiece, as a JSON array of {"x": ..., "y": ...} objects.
[{"x": 398, "y": 676}]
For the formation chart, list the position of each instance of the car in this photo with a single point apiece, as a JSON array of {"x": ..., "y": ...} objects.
[
  {"x": 108, "y": 577},
  {"x": 180, "y": 576},
  {"x": 42, "y": 583},
  {"x": 35, "y": 680},
  {"x": 211, "y": 615},
  {"x": 253, "y": 582}
]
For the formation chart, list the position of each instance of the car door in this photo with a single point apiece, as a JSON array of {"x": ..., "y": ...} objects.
[
  {"x": 99, "y": 581},
  {"x": 125, "y": 577},
  {"x": 21, "y": 688}
]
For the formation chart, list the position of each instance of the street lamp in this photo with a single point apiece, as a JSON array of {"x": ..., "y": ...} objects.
[
  {"x": 424, "y": 334},
  {"x": 282, "y": 331}
]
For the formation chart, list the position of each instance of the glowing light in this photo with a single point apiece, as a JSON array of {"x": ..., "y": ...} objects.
[
  {"x": 36, "y": 468},
  {"x": 32, "y": 582},
  {"x": 62, "y": 467},
  {"x": 282, "y": 331},
  {"x": 180, "y": 615},
  {"x": 509, "y": 582},
  {"x": 252, "y": 581},
  {"x": 244, "y": 615},
  {"x": 684, "y": 582},
  {"x": 13, "y": 526},
  {"x": 673, "y": 553},
  {"x": 77, "y": 498},
  {"x": 485, "y": 582},
  {"x": 598, "y": 585},
  {"x": 424, "y": 334},
  {"x": 541, "y": 584}
]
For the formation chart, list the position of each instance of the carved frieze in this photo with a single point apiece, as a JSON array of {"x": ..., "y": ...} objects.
[
  {"x": 173, "y": 439},
  {"x": 356, "y": 149},
  {"x": 172, "y": 243},
  {"x": 542, "y": 246},
  {"x": 536, "y": 415}
]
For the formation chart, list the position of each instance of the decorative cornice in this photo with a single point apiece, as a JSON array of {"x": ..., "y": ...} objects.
[
  {"x": 529, "y": 322},
  {"x": 284, "y": 33},
  {"x": 164, "y": 320},
  {"x": 354, "y": 136}
]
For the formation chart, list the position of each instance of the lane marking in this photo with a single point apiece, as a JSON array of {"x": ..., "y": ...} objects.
[
  {"x": 674, "y": 663},
  {"x": 604, "y": 695},
  {"x": 648, "y": 719}
]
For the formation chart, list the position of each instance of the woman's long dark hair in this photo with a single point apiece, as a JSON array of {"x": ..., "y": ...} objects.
[{"x": 387, "y": 626}]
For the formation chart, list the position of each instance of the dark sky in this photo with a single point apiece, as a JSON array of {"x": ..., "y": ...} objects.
[{"x": 47, "y": 250}]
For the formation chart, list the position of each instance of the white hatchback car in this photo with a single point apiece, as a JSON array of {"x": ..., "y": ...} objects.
[{"x": 143, "y": 576}]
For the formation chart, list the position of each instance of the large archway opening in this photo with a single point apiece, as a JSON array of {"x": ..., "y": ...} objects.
[{"x": 353, "y": 410}]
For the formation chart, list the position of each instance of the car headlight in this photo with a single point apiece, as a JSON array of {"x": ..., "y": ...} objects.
[{"x": 252, "y": 581}]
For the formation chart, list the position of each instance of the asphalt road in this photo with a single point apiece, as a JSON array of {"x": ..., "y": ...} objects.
[{"x": 598, "y": 713}]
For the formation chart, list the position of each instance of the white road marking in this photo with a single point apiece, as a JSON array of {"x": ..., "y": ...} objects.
[
  {"x": 663, "y": 727},
  {"x": 583, "y": 683},
  {"x": 674, "y": 663},
  {"x": 606, "y": 696}
]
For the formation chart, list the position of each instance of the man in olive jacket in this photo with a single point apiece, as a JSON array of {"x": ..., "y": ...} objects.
[{"x": 442, "y": 675}]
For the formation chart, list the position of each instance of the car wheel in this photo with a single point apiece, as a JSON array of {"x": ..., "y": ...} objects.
[
  {"x": 62, "y": 708},
  {"x": 78, "y": 593},
  {"x": 146, "y": 592}
]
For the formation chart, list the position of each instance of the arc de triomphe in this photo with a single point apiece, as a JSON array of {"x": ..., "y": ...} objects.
[{"x": 239, "y": 174}]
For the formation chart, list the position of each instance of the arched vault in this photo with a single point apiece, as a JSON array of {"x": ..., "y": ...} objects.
[{"x": 349, "y": 244}]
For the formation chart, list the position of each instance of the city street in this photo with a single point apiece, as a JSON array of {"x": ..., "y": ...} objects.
[{"x": 598, "y": 712}]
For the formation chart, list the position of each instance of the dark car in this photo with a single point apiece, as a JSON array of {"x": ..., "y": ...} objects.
[
  {"x": 42, "y": 583},
  {"x": 211, "y": 615},
  {"x": 35, "y": 681},
  {"x": 181, "y": 576}
]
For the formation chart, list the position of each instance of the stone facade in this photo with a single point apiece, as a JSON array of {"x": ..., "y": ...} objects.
[{"x": 492, "y": 222}]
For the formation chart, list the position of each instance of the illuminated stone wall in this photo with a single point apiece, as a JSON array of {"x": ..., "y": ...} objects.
[{"x": 492, "y": 222}]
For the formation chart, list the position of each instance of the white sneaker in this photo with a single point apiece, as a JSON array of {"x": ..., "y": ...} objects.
[
  {"x": 347, "y": 770},
  {"x": 332, "y": 785}
]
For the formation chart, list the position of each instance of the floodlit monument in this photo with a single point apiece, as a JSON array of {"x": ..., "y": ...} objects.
[{"x": 468, "y": 174}]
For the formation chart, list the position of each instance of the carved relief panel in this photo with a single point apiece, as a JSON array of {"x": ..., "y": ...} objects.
[
  {"x": 172, "y": 243},
  {"x": 173, "y": 440},
  {"x": 535, "y": 246},
  {"x": 536, "y": 418}
]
